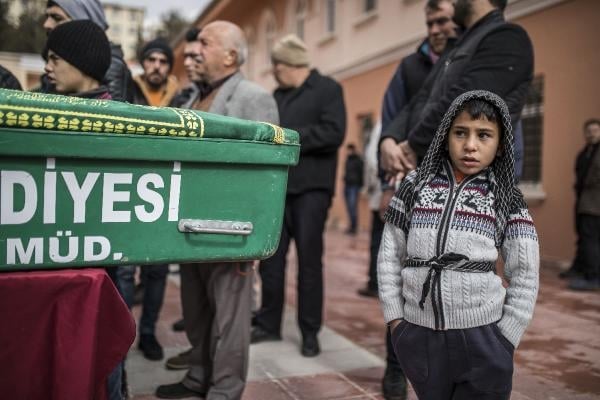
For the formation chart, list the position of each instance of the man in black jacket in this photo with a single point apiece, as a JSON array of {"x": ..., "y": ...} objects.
[
  {"x": 118, "y": 77},
  {"x": 414, "y": 68},
  {"x": 191, "y": 53},
  {"x": 312, "y": 105},
  {"x": 353, "y": 181},
  {"x": 408, "y": 79},
  {"x": 491, "y": 54}
]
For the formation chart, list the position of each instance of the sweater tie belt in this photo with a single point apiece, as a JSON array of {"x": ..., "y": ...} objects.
[{"x": 451, "y": 261}]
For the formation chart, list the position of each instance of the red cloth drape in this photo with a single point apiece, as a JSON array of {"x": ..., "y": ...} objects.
[{"x": 61, "y": 334}]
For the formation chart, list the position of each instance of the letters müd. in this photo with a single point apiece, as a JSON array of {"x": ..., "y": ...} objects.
[{"x": 62, "y": 248}]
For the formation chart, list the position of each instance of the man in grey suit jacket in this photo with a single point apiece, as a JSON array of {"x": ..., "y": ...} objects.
[{"x": 216, "y": 297}]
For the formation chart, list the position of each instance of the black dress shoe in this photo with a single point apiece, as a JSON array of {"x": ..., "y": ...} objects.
[
  {"x": 176, "y": 391},
  {"x": 179, "y": 326},
  {"x": 367, "y": 292},
  {"x": 570, "y": 273},
  {"x": 258, "y": 335},
  {"x": 310, "y": 346},
  {"x": 150, "y": 347}
]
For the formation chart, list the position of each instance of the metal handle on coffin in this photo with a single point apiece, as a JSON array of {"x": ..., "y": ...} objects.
[{"x": 215, "y": 226}]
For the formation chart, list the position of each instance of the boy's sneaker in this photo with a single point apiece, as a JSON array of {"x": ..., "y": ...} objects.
[
  {"x": 150, "y": 347},
  {"x": 582, "y": 284},
  {"x": 180, "y": 361}
]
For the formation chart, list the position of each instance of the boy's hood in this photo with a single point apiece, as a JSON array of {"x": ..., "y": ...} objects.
[{"x": 437, "y": 153}]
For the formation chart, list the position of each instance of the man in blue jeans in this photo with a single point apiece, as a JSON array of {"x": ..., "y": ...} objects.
[
  {"x": 353, "y": 180},
  {"x": 154, "y": 278}
]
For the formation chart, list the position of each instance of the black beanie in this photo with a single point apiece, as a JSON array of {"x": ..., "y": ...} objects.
[
  {"x": 159, "y": 44},
  {"x": 84, "y": 45}
]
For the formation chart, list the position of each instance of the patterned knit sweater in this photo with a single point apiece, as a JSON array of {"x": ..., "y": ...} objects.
[{"x": 459, "y": 218}]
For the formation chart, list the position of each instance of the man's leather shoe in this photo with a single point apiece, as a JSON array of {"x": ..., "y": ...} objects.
[
  {"x": 570, "y": 273},
  {"x": 176, "y": 391},
  {"x": 150, "y": 347},
  {"x": 179, "y": 326},
  {"x": 367, "y": 292},
  {"x": 258, "y": 335},
  {"x": 180, "y": 361},
  {"x": 310, "y": 346}
]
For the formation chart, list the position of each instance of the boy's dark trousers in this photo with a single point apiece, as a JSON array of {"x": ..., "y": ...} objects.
[{"x": 457, "y": 364}]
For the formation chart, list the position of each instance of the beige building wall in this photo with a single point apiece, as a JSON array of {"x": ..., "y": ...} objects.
[
  {"x": 18, "y": 7},
  {"x": 364, "y": 48},
  {"x": 26, "y": 67},
  {"x": 125, "y": 27},
  {"x": 565, "y": 38}
]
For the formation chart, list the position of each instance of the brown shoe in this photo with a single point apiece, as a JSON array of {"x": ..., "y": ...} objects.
[{"x": 180, "y": 361}]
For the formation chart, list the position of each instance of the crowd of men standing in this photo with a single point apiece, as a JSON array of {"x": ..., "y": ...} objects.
[{"x": 468, "y": 46}]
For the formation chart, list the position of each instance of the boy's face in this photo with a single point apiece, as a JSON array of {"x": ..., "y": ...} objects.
[
  {"x": 63, "y": 75},
  {"x": 472, "y": 143}
]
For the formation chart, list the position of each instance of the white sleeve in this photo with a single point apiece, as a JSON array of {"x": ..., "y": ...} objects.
[
  {"x": 521, "y": 254},
  {"x": 390, "y": 261}
]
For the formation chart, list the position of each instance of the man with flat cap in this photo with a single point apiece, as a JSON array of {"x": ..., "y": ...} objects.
[{"x": 312, "y": 105}]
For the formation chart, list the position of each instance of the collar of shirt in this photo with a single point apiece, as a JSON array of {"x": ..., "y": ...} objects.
[{"x": 207, "y": 88}]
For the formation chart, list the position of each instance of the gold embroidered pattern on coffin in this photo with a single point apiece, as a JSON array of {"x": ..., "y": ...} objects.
[
  {"x": 190, "y": 124},
  {"x": 278, "y": 133}
]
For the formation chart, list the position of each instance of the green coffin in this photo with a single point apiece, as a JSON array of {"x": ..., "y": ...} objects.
[{"x": 90, "y": 182}]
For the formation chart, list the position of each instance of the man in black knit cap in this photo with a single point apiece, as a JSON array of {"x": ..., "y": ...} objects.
[{"x": 156, "y": 86}]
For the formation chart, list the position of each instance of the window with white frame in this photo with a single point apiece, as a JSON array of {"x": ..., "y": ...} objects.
[
  {"x": 300, "y": 17},
  {"x": 330, "y": 11},
  {"x": 270, "y": 33},
  {"x": 532, "y": 119},
  {"x": 366, "y": 122}
]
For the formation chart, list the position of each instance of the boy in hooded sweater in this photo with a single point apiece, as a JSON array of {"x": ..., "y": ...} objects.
[{"x": 454, "y": 325}]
